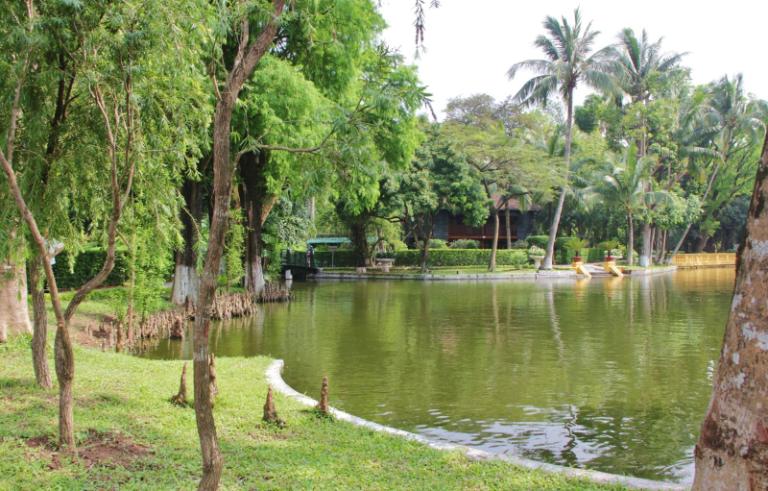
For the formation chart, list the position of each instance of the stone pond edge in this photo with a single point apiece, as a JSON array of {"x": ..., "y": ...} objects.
[
  {"x": 275, "y": 379},
  {"x": 532, "y": 275}
]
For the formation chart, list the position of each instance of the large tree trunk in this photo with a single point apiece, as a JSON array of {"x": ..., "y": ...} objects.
[
  {"x": 701, "y": 243},
  {"x": 248, "y": 56},
  {"x": 732, "y": 449},
  {"x": 40, "y": 325},
  {"x": 186, "y": 280},
  {"x": 549, "y": 257},
  {"x": 495, "y": 244},
  {"x": 14, "y": 313},
  {"x": 360, "y": 242},
  {"x": 257, "y": 204}
]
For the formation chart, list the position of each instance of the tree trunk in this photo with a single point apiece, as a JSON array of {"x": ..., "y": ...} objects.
[
  {"x": 425, "y": 250},
  {"x": 630, "y": 240},
  {"x": 360, "y": 242},
  {"x": 39, "y": 325},
  {"x": 186, "y": 280},
  {"x": 495, "y": 244},
  {"x": 14, "y": 312},
  {"x": 645, "y": 254},
  {"x": 248, "y": 56},
  {"x": 549, "y": 257},
  {"x": 257, "y": 204},
  {"x": 508, "y": 225},
  {"x": 701, "y": 244},
  {"x": 733, "y": 444}
]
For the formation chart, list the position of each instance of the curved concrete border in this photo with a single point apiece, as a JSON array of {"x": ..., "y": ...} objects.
[{"x": 275, "y": 379}]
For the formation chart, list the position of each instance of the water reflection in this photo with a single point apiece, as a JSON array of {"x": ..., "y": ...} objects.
[{"x": 609, "y": 374}]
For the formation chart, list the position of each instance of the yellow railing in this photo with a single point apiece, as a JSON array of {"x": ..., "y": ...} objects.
[{"x": 704, "y": 260}]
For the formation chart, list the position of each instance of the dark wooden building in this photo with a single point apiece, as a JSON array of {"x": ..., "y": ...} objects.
[{"x": 450, "y": 227}]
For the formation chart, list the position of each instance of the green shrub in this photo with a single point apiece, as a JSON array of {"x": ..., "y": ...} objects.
[
  {"x": 538, "y": 240},
  {"x": 462, "y": 257},
  {"x": 434, "y": 244},
  {"x": 86, "y": 265},
  {"x": 464, "y": 244},
  {"x": 436, "y": 258},
  {"x": 520, "y": 244}
]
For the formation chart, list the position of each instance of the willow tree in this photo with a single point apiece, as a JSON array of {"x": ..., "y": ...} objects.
[
  {"x": 124, "y": 139},
  {"x": 569, "y": 62}
]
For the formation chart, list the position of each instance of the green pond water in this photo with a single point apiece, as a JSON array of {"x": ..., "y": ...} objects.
[{"x": 609, "y": 374}]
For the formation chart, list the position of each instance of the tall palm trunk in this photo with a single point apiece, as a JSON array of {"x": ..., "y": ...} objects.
[
  {"x": 733, "y": 444},
  {"x": 185, "y": 279},
  {"x": 630, "y": 239},
  {"x": 549, "y": 257},
  {"x": 14, "y": 313}
]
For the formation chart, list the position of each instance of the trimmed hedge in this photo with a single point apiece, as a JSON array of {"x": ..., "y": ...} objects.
[
  {"x": 87, "y": 264},
  {"x": 436, "y": 258}
]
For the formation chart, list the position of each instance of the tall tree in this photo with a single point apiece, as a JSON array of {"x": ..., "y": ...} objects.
[
  {"x": 733, "y": 443},
  {"x": 569, "y": 62},
  {"x": 123, "y": 124},
  {"x": 640, "y": 68}
]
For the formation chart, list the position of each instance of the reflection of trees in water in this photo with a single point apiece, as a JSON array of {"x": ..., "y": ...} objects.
[{"x": 613, "y": 369}]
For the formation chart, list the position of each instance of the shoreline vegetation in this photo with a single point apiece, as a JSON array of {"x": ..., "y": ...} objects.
[{"x": 134, "y": 436}]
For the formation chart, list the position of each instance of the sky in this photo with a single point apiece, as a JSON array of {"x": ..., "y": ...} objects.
[{"x": 470, "y": 44}]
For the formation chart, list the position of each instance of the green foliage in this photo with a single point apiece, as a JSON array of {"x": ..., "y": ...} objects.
[
  {"x": 437, "y": 258},
  {"x": 538, "y": 240},
  {"x": 73, "y": 270},
  {"x": 464, "y": 244},
  {"x": 437, "y": 244}
]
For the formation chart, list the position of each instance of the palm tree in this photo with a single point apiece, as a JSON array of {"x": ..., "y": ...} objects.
[
  {"x": 624, "y": 185},
  {"x": 569, "y": 61},
  {"x": 733, "y": 126},
  {"x": 637, "y": 64}
]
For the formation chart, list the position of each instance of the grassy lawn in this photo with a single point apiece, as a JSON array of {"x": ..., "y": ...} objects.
[{"x": 124, "y": 399}]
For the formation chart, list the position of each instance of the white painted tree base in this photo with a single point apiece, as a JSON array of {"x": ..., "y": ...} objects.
[{"x": 185, "y": 285}]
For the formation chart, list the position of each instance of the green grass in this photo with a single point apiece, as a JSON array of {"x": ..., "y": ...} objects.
[{"x": 129, "y": 395}]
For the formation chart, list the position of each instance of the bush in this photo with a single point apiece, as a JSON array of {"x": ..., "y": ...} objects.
[
  {"x": 436, "y": 258},
  {"x": 86, "y": 265},
  {"x": 520, "y": 244},
  {"x": 538, "y": 240},
  {"x": 464, "y": 244},
  {"x": 436, "y": 244},
  {"x": 462, "y": 257}
]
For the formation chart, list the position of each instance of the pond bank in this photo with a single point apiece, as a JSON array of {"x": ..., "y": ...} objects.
[
  {"x": 126, "y": 398},
  {"x": 274, "y": 378},
  {"x": 447, "y": 274}
]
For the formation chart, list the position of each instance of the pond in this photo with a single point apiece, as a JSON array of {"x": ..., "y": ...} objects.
[{"x": 608, "y": 374}]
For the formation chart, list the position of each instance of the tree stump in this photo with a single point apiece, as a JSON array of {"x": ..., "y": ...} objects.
[
  {"x": 270, "y": 413},
  {"x": 180, "y": 399},
  {"x": 322, "y": 406}
]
